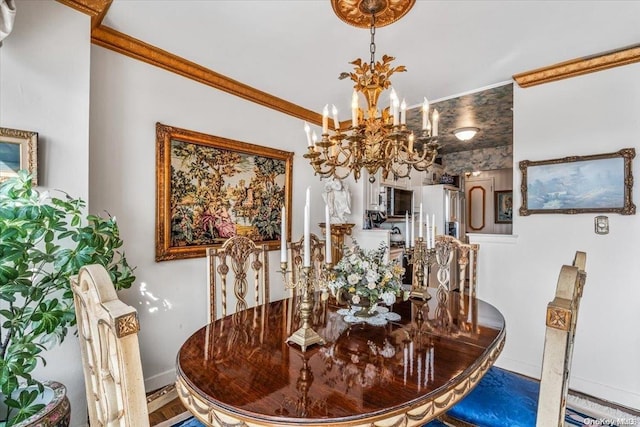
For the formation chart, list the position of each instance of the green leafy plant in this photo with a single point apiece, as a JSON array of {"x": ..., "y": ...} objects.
[{"x": 43, "y": 242}]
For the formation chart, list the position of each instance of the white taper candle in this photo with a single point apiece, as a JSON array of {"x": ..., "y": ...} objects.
[
  {"x": 413, "y": 229},
  {"x": 283, "y": 237},
  {"x": 425, "y": 114},
  {"x": 407, "y": 237},
  {"x": 336, "y": 122},
  {"x": 325, "y": 119},
  {"x": 436, "y": 119},
  {"x": 433, "y": 230},
  {"x": 307, "y": 130},
  {"x": 327, "y": 229},
  {"x": 420, "y": 223},
  {"x": 428, "y": 233},
  {"x": 306, "y": 262}
]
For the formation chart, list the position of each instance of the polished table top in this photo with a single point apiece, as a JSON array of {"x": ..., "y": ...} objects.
[{"x": 239, "y": 368}]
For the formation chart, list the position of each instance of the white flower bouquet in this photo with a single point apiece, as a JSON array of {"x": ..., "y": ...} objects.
[{"x": 364, "y": 275}]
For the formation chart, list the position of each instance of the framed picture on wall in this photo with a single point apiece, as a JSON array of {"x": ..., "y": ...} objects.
[
  {"x": 579, "y": 184},
  {"x": 503, "y": 207},
  {"x": 18, "y": 150},
  {"x": 210, "y": 188}
]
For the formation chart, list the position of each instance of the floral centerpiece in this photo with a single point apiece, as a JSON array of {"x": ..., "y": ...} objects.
[{"x": 365, "y": 277}]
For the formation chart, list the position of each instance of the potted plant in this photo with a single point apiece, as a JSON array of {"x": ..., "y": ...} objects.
[{"x": 43, "y": 242}]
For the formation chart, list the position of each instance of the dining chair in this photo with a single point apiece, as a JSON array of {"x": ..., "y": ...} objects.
[
  {"x": 108, "y": 331},
  {"x": 506, "y": 399},
  {"x": 317, "y": 247},
  {"x": 450, "y": 250},
  {"x": 238, "y": 260}
]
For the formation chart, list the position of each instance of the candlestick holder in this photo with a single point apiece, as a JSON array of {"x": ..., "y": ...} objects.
[
  {"x": 338, "y": 231},
  {"x": 421, "y": 258},
  {"x": 305, "y": 336}
]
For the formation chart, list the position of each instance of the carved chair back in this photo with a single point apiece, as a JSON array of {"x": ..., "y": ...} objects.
[
  {"x": 450, "y": 250},
  {"x": 561, "y": 320},
  {"x": 232, "y": 267},
  {"x": 317, "y": 247},
  {"x": 108, "y": 331}
]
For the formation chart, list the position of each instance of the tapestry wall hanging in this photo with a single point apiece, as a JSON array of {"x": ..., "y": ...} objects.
[{"x": 210, "y": 188}]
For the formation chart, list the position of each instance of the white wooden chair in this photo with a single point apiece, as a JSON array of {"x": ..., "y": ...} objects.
[
  {"x": 503, "y": 398},
  {"x": 238, "y": 260},
  {"x": 108, "y": 331}
]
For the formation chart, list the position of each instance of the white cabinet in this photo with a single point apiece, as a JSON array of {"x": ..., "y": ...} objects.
[{"x": 391, "y": 181}]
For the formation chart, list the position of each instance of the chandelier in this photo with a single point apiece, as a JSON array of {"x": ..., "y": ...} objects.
[{"x": 377, "y": 139}]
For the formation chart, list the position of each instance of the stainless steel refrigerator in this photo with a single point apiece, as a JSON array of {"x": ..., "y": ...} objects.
[{"x": 447, "y": 203}]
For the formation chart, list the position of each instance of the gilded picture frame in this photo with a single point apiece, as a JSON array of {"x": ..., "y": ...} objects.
[
  {"x": 209, "y": 188},
  {"x": 503, "y": 207},
  {"x": 18, "y": 150},
  {"x": 600, "y": 183}
]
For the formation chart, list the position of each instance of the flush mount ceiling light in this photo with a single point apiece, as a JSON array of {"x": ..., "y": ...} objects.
[{"x": 465, "y": 134}]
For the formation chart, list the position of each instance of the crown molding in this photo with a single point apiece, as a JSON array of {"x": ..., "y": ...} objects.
[
  {"x": 96, "y": 9},
  {"x": 579, "y": 66},
  {"x": 122, "y": 43}
]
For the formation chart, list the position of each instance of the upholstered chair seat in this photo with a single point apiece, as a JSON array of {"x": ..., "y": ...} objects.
[{"x": 501, "y": 399}]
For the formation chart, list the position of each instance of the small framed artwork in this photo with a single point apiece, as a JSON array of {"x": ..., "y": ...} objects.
[
  {"x": 503, "y": 207},
  {"x": 18, "y": 150},
  {"x": 210, "y": 188},
  {"x": 598, "y": 183}
]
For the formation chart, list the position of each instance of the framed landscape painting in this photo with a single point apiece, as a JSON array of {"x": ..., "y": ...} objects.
[
  {"x": 579, "y": 184},
  {"x": 210, "y": 188},
  {"x": 18, "y": 150}
]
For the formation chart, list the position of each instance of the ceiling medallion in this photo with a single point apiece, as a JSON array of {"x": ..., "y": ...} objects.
[{"x": 358, "y": 12}]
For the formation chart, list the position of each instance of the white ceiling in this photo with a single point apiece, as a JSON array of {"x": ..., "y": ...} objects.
[{"x": 295, "y": 50}]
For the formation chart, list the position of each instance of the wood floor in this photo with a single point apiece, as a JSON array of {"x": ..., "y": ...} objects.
[{"x": 168, "y": 411}]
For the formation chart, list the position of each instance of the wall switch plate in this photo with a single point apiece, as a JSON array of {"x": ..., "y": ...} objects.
[{"x": 601, "y": 223}]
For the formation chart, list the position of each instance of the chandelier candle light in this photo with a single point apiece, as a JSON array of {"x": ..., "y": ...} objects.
[{"x": 378, "y": 139}]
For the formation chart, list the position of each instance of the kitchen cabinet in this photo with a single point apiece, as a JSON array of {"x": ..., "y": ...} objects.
[{"x": 392, "y": 182}]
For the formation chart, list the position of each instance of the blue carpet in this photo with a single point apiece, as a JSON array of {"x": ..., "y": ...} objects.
[
  {"x": 189, "y": 422},
  {"x": 572, "y": 418}
]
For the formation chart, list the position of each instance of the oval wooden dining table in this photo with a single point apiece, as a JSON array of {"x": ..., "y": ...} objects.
[{"x": 238, "y": 370}]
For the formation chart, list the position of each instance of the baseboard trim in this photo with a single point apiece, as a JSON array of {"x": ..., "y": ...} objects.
[
  {"x": 160, "y": 380},
  {"x": 599, "y": 408}
]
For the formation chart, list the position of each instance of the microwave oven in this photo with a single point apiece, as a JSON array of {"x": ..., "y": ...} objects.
[{"x": 397, "y": 201}]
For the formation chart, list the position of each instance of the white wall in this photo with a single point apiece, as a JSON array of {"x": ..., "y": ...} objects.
[
  {"x": 595, "y": 113},
  {"x": 44, "y": 87},
  {"x": 128, "y": 97}
]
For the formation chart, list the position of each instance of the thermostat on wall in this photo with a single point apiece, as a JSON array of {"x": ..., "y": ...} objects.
[{"x": 601, "y": 223}]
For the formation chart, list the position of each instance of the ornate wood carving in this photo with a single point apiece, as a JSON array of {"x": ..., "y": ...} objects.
[
  {"x": 559, "y": 318},
  {"x": 579, "y": 66},
  {"x": 245, "y": 260},
  {"x": 127, "y": 325},
  {"x": 357, "y": 12}
]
